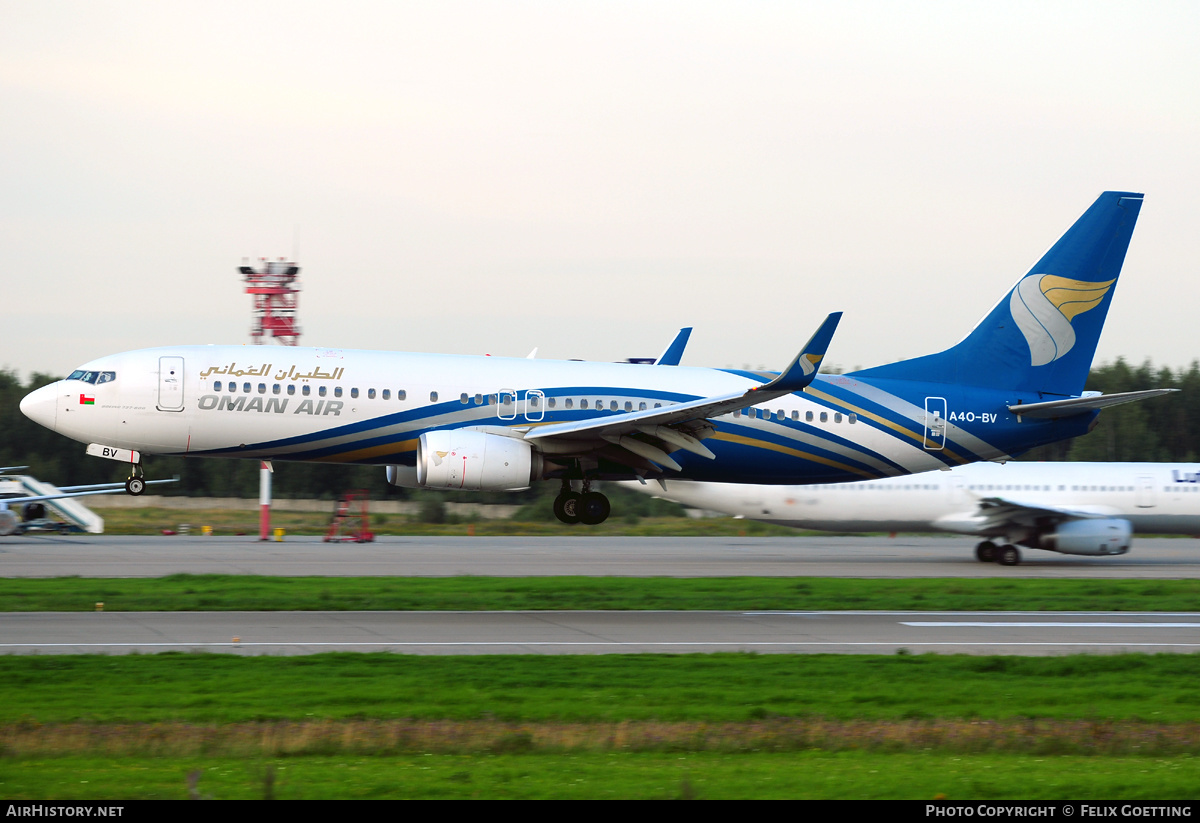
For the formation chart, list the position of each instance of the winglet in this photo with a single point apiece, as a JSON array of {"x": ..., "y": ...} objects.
[
  {"x": 674, "y": 352},
  {"x": 804, "y": 368}
]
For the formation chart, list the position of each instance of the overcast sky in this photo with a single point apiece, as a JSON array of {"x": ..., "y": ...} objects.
[{"x": 586, "y": 177}]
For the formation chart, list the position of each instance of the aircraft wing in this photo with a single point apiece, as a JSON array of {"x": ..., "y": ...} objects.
[
  {"x": 75, "y": 491},
  {"x": 997, "y": 512},
  {"x": 675, "y": 426}
]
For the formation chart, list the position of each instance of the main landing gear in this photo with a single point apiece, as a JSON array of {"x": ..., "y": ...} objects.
[
  {"x": 587, "y": 507},
  {"x": 136, "y": 483},
  {"x": 989, "y": 552}
]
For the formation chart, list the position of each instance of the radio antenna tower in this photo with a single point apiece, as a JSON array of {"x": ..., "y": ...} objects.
[{"x": 275, "y": 292}]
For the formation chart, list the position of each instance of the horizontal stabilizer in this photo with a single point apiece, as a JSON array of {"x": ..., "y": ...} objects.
[{"x": 1078, "y": 405}]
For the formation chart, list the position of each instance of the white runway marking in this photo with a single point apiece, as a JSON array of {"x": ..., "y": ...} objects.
[{"x": 1047, "y": 624}]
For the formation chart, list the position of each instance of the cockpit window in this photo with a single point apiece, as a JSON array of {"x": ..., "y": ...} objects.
[{"x": 96, "y": 377}]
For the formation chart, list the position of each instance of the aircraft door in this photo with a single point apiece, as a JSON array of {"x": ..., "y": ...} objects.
[
  {"x": 1145, "y": 492},
  {"x": 506, "y": 404},
  {"x": 956, "y": 493},
  {"x": 535, "y": 405},
  {"x": 935, "y": 423},
  {"x": 170, "y": 384}
]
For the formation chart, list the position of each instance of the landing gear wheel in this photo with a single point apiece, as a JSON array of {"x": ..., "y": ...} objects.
[
  {"x": 566, "y": 507},
  {"x": 135, "y": 486},
  {"x": 1008, "y": 556},
  {"x": 985, "y": 552},
  {"x": 593, "y": 509}
]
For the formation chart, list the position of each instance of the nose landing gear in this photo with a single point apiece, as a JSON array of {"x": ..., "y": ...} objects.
[{"x": 136, "y": 484}]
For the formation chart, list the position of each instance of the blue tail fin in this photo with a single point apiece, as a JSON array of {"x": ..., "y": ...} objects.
[{"x": 1042, "y": 335}]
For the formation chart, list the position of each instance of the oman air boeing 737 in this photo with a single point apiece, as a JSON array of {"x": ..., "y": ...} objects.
[{"x": 463, "y": 422}]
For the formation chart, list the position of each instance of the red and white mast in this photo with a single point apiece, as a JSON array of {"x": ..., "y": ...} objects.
[{"x": 275, "y": 292}]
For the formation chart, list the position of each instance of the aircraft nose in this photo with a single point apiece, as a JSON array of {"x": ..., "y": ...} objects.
[{"x": 41, "y": 405}]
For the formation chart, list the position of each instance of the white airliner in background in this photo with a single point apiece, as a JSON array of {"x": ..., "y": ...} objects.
[
  {"x": 1070, "y": 508},
  {"x": 495, "y": 423}
]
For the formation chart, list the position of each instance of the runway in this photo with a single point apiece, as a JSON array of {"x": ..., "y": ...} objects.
[
  {"x": 590, "y": 632},
  {"x": 573, "y": 632},
  {"x": 829, "y": 556}
]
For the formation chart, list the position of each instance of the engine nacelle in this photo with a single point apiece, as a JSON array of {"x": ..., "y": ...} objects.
[
  {"x": 405, "y": 476},
  {"x": 1095, "y": 537},
  {"x": 475, "y": 460}
]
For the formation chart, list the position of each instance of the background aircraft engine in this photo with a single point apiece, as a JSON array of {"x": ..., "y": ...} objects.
[
  {"x": 475, "y": 460},
  {"x": 8, "y": 522},
  {"x": 1107, "y": 536}
]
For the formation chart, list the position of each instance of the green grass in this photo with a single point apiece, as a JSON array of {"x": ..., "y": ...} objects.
[
  {"x": 676, "y": 775},
  {"x": 230, "y": 521},
  {"x": 717, "y": 688},
  {"x": 183, "y": 592}
]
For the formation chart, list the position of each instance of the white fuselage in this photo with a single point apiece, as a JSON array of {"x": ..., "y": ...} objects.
[
  {"x": 1156, "y": 498},
  {"x": 344, "y": 406}
]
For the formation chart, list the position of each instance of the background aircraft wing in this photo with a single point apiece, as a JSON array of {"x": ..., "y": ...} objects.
[
  {"x": 999, "y": 511},
  {"x": 75, "y": 491}
]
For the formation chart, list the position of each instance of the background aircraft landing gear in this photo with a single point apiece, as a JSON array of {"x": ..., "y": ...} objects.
[
  {"x": 1008, "y": 556},
  {"x": 985, "y": 552}
]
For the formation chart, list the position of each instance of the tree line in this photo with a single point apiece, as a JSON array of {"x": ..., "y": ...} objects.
[{"x": 1157, "y": 430}]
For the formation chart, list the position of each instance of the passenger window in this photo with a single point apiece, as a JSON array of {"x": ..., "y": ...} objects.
[
  {"x": 479, "y": 400},
  {"x": 304, "y": 390},
  {"x": 217, "y": 385},
  {"x": 462, "y": 398},
  {"x": 291, "y": 389},
  {"x": 824, "y": 417},
  {"x": 551, "y": 402},
  {"x": 433, "y": 397},
  {"x": 262, "y": 388},
  {"x": 569, "y": 403},
  {"x": 837, "y": 417},
  {"x": 583, "y": 404},
  {"x": 853, "y": 418},
  {"x": 401, "y": 394},
  {"x": 387, "y": 393},
  {"x": 275, "y": 389},
  {"x": 612, "y": 405},
  {"x": 321, "y": 391},
  {"x": 808, "y": 417},
  {"x": 354, "y": 393},
  {"x": 641, "y": 406},
  {"x": 246, "y": 388},
  {"x": 370, "y": 394},
  {"x": 337, "y": 391}
]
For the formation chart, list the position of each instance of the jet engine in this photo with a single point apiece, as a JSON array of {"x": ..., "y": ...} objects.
[
  {"x": 475, "y": 460},
  {"x": 1095, "y": 537},
  {"x": 403, "y": 476}
]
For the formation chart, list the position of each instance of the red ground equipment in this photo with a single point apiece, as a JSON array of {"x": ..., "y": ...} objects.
[{"x": 350, "y": 523}]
